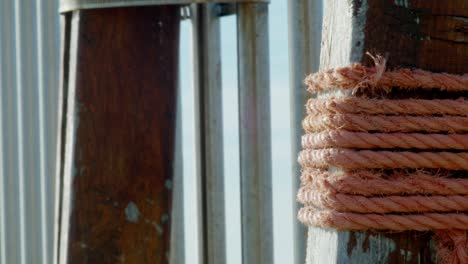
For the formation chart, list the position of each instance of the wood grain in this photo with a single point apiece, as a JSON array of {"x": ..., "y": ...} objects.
[
  {"x": 419, "y": 34},
  {"x": 122, "y": 102},
  {"x": 427, "y": 34}
]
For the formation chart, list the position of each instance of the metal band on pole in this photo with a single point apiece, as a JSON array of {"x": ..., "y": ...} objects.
[{"x": 71, "y": 5}]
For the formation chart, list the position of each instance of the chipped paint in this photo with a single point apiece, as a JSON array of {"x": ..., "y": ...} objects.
[
  {"x": 150, "y": 201},
  {"x": 168, "y": 184},
  {"x": 406, "y": 253},
  {"x": 164, "y": 218},
  {"x": 365, "y": 245},
  {"x": 132, "y": 213},
  {"x": 358, "y": 36},
  {"x": 158, "y": 228},
  {"x": 464, "y": 19},
  {"x": 402, "y": 3}
]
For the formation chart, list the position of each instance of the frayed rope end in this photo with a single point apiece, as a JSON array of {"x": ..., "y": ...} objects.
[{"x": 380, "y": 64}]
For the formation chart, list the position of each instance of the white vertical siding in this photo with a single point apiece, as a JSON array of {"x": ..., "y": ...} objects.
[{"x": 29, "y": 52}]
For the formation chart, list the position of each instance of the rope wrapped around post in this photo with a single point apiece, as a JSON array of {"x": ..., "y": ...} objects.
[{"x": 374, "y": 162}]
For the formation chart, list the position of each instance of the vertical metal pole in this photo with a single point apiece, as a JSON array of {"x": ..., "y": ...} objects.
[
  {"x": 255, "y": 143},
  {"x": 208, "y": 101},
  {"x": 305, "y": 27}
]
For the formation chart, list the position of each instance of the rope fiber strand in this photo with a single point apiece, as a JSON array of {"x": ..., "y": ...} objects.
[
  {"x": 364, "y": 140},
  {"x": 353, "y": 105},
  {"x": 377, "y": 183},
  {"x": 369, "y": 159},
  {"x": 358, "y": 76},
  {"x": 383, "y": 123},
  {"x": 379, "y": 163}
]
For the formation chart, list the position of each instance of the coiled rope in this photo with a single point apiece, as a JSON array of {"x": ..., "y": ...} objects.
[{"x": 387, "y": 164}]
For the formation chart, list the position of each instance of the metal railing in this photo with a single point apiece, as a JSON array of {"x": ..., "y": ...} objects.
[
  {"x": 254, "y": 121},
  {"x": 29, "y": 62}
]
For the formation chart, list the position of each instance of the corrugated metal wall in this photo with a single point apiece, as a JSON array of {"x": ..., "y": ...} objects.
[{"x": 29, "y": 61}]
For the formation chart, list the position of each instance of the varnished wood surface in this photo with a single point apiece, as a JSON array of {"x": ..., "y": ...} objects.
[
  {"x": 125, "y": 84},
  {"x": 426, "y": 34}
]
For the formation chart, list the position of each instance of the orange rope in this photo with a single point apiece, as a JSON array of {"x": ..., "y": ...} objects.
[
  {"x": 357, "y": 75},
  {"x": 356, "y": 221},
  {"x": 378, "y": 183},
  {"x": 354, "y": 105},
  {"x": 382, "y": 123},
  {"x": 368, "y": 159},
  {"x": 451, "y": 245},
  {"x": 364, "y": 140},
  {"x": 379, "y": 163},
  {"x": 388, "y": 204}
]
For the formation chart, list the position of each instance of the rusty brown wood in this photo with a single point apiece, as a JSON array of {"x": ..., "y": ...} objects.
[
  {"x": 431, "y": 34},
  {"x": 427, "y": 34},
  {"x": 118, "y": 138}
]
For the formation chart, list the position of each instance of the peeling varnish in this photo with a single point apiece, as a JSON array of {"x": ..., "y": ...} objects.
[
  {"x": 363, "y": 244},
  {"x": 132, "y": 214},
  {"x": 168, "y": 184},
  {"x": 159, "y": 228},
  {"x": 402, "y": 3}
]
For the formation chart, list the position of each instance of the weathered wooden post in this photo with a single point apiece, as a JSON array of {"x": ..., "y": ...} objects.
[
  {"x": 118, "y": 105},
  {"x": 430, "y": 35}
]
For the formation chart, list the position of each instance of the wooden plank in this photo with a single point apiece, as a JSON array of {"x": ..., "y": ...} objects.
[
  {"x": 448, "y": 8},
  {"x": 425, "y": 37},
  {"x": 119, "y": 141},
  {"x": 425, "y": 34}
]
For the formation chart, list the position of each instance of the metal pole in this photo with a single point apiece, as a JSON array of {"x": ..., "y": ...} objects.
[
  {"x": 208, "y": 121},
  {"x": 305, "y": 23},
  {"x": 255, "y": 143}
]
